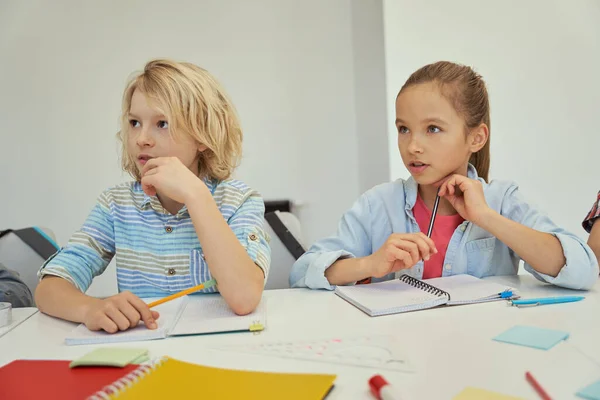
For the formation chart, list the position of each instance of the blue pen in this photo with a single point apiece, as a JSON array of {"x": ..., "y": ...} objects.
[{"x": 546, "y": 300}]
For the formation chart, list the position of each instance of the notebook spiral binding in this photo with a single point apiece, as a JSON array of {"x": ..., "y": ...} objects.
[
  {"x": 119, "y": 386},
  {"x": 414, "y": 282}
]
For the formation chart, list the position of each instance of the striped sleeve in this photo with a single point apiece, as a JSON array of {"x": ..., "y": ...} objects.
[
  {"x": 89, "y": 251},
  {"x": 247, "y": 223},
  {"x": 594, "y": 213}
]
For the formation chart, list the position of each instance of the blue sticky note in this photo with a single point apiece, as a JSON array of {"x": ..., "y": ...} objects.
[
  {"x": 530, "y": 336},
  {"x": 591, "y": 392}
]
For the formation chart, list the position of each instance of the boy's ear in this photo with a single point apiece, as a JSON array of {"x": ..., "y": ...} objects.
[
  {"x": 478, "y": 137},
  {"x": 201, "y": 148}
]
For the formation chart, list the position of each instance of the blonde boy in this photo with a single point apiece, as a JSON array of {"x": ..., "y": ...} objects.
[{"x": 183, "y": 221}]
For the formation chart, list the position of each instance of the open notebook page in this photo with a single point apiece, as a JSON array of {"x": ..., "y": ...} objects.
[
  {"x": 465, "y": 289},
  {"x": 209, "y": 313},
  {"x": 169, "y": 314},
  {"x": 388, "y": 297}
]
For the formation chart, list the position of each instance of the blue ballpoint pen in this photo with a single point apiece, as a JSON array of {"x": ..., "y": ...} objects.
[{"x": 546, "y": 300}]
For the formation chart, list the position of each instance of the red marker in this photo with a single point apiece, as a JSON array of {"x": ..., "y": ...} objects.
[
  {"x": 538, "y": 388},
  {"x": 381, "y": 389}
]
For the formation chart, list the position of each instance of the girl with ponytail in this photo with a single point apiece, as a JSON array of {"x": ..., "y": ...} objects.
[{"x": 482, "y": 227}]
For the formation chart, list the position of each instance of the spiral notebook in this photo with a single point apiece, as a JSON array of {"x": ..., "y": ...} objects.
[
  {"x": 169, "y": 378},
  {"x": 410, "y": 294},
  {"x": 188, "y": 315}
]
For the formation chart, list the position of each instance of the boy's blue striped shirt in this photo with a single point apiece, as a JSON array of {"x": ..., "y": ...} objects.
[{"x": 157, "y": 253}]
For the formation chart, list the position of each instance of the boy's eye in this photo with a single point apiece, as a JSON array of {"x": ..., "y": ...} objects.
[
  {"x": 402, "y": 129},
  {"x": 163, "y": 124},
  {"x": 134, "y": 123},
  {"x": 433, "y": 129}
]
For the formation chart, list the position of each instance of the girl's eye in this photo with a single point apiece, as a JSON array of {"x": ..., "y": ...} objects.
[
  {"x": 402, "y": 129},
  {"x": 163, "y": 124},
  {"x": 433, "y": 129},
  {"x": 134, "y": 123}
]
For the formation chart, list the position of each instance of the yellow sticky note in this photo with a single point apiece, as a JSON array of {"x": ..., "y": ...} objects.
[
  {"x": 472, "y": 393},
  {"x": 111, "y": 357}
]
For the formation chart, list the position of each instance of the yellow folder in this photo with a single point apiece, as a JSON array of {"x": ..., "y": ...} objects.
[{"x": 174, "y": 379}]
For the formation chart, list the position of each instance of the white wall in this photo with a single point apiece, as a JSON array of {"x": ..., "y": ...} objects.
[
  {"x": 370, "y": 99},
  {"x": 541, "y": 61},
  {"x": 289, "y": 66}
]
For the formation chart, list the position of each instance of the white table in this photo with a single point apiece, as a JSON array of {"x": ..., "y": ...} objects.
[
  {"x": 19, "y": 315},
  {"x": 451, "y": 348}
]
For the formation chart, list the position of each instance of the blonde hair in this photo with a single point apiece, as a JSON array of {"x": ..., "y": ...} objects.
[
  {"x": 469, "y": 97},
  {"x": 194, "y": 104}
]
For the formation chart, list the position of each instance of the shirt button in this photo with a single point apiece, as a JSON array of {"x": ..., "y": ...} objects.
[
  {"x": 463, "y": 228},
  {"x": 448, "y": 267},
  {"x": 171, "y": 271},
  {"x": 253, "y": 237},
  {"x": 168, "y": 229}
]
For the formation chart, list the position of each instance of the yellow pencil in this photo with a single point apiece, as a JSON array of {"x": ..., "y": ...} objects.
[{"x": 201, "y": 286}]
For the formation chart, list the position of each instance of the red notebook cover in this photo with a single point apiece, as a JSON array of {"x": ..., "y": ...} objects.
[{"x": 53, "y": 379}]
